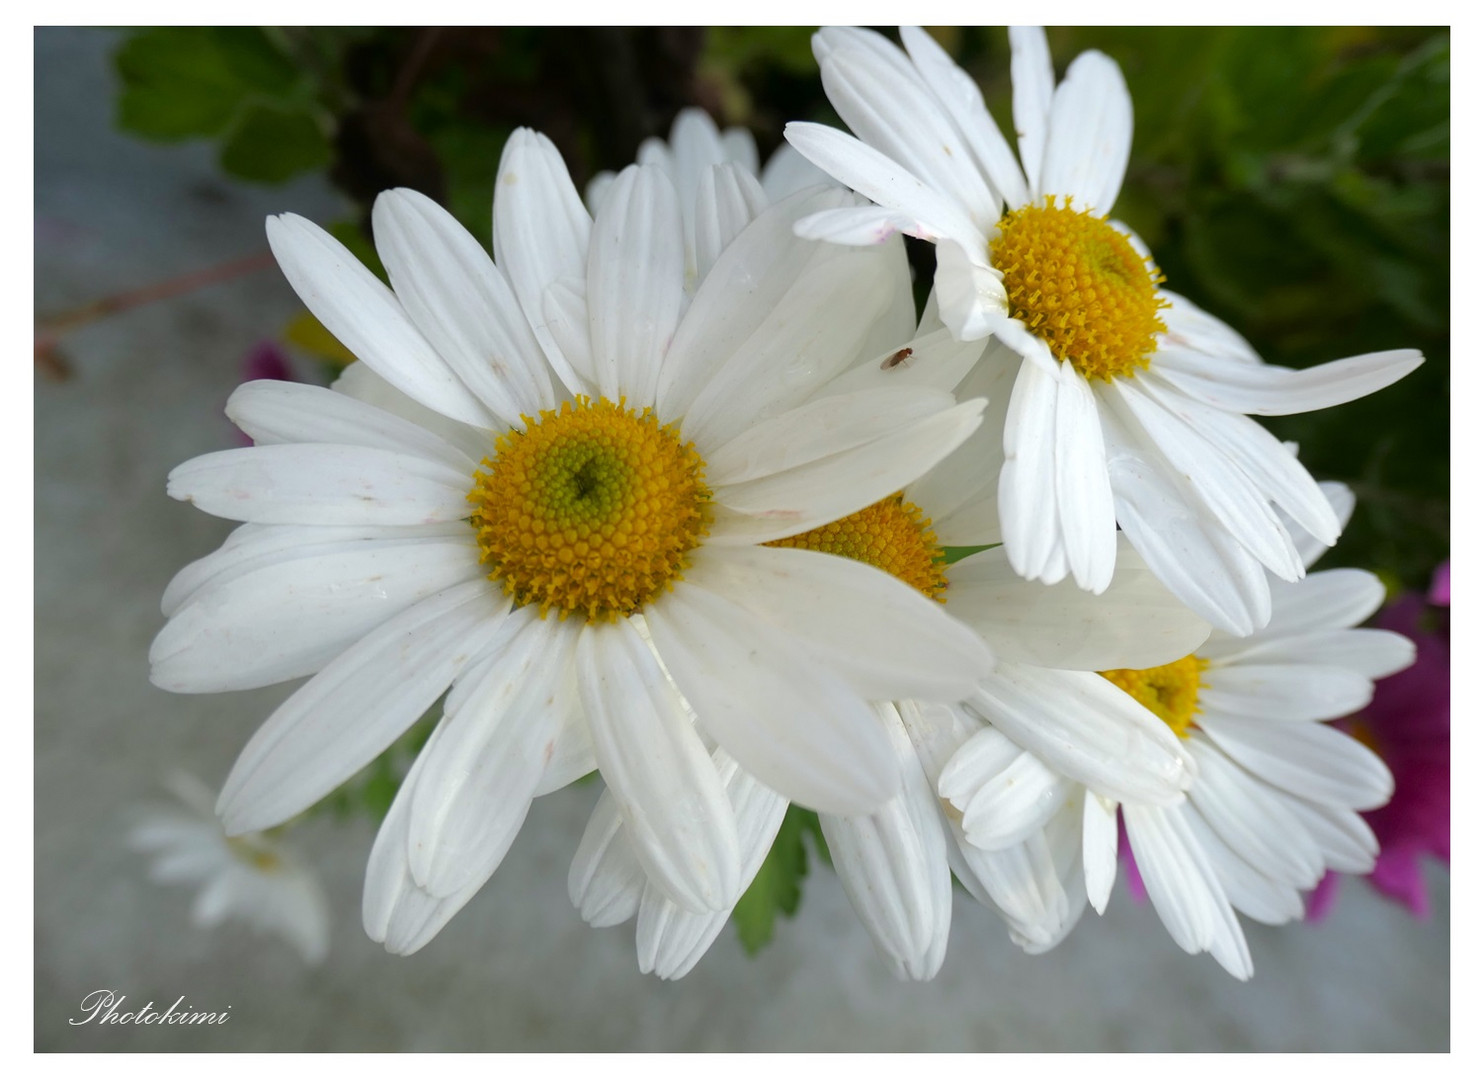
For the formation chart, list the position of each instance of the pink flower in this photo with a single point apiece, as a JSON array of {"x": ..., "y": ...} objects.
[{"x": 1407, "y": 724}]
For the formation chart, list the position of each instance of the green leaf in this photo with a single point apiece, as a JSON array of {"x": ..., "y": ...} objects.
[
  {"x": 271, "y": 145},
  {"x": 175, "y": 84},
  {"x": 253, "y": 60},
  {"x": 955, "y": 554},
  {"x": 777, "y": 887}
]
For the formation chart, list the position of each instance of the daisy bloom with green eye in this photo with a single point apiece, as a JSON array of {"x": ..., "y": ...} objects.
[
  {"x": 561, "y": 527},
  {"x": 1277, "y": 792},
  {"x": 1128, "y": 404}
]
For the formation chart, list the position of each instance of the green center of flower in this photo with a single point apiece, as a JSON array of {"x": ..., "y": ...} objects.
[
  {"x": 892, "y": 534},
  {"x": 1078, "y": 284},
  {"x": 1169, "y": 691},
  {"x": 591, "y": 510}
]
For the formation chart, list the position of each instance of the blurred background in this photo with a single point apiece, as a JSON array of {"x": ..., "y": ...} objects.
[{"x": 1292, "y": 181}]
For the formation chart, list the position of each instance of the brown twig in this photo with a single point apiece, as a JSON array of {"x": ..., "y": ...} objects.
[{"x": 53, "y": 325}]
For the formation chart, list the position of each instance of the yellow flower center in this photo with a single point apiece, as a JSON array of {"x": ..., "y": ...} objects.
[
  {"x": 1076, "y": 282},
  {"x": 591, "y": 510},
  {"x": 263, "y": 859},
  {"x": 892, "y": 534},
  {"x": 1169, "y": 691}
]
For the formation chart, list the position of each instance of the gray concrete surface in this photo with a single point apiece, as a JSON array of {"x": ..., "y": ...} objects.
[{"x": 517, "y": 970}]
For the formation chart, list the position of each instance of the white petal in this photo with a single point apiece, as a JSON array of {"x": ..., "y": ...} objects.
[
  {"x": 892, "y": 865},
  {"x": 762, "y": 695},
  {"x": 1374, "y": 654},
  {"x": 822, "y": 427},
  {"x": 606, "y": 880},
  {"x": 1089, "y": 130},
  {"x": 787, "y": 172},
  {"x": 1088, "y": 729},
  {"x": 934, "y": 214},
  {"x": 973, "y": 303},
  {"x": 571, "y": 756},
  {"x": 1275, "y": 471},
  {"x": 1030, "y": 522},
  {"x": 857, "y": 226},
  {"x": 958, "y": 93},
  {"x": 291, "y": 617},
  {"x": 980, "y": 759},
  {"x": 367, "y": 319},
  {"x": 489, "y": 756},
  {"x": 729, "y": 198},
  {"x": 889, "y": 107},
  {"x": 740, "y": 292},
  {"x": 1032, "y": 99},
  {"x": 1326, "y": 600},
  {"x": 740, "y": 148},
  {"x": 1023, "y": 882},
  {"x": 1313, "y": 761},
  {"x": 567, "y": 321},
  {"x": 273, "y": 411},
  {"x": 1136, "y": 623},
  {"x": 816, "y": 331},
  {"x": 1259, "y": 897},
  {"x": 396, "y": 911},
  {"x": 1181, "y": 542},
  {"x": 343, "y": 717},
  {"x": 251, "y": 547},
  {"x": 887, "y": 640},
  {"x": 960, "y": 494},
  {"x": 1342, "y": 502},
  {"x": 1184, "y": 888},
  {"x": 1225, "y": 489},
  {"x": 1014, "y": 804},
  {"x": 821, "y": 491},
  {"x": 670, "y": 941},
  {"x": 1081, "y": 484},
  {"x": 1283, "y": 691},
  {"x": 1346, "y": 842},
  {"x": 322, "y": 484},
  {"x": 541, "y": 232},
  {"x": 655, "y": 765},
  {"x": 1269, "y": 390},
  {"x": 1253, "y": 820},
  {"x": 933, "y": 361},
  {"x": 1101, "y": 847},
  {"x": 1189, "y": 327},
  {"x": 634, "y": 285},
  {"x": 360, "y": 382},
  {"x": 462, "y": 304}
]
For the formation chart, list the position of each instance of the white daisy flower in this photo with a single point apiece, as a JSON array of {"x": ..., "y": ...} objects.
[
  {"x": 598, "y": 580},
  {"x": 252, "y": 878},
  {"x": 1129, "y": 403},
  {"x": 1277, "y": 792},
  {"x": 895, "y": 863}
]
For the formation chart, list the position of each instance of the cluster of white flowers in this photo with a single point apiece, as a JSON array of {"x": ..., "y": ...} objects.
[{"x": 662, "y": 488}]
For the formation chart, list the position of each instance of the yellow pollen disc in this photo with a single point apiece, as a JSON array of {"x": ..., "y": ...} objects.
[
  {"x": 1169, "y": 691},
  {"x": 591, "y": 510},
  {"x": 892, "y": 534},
  {"x": 1076, "y": 282}
]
